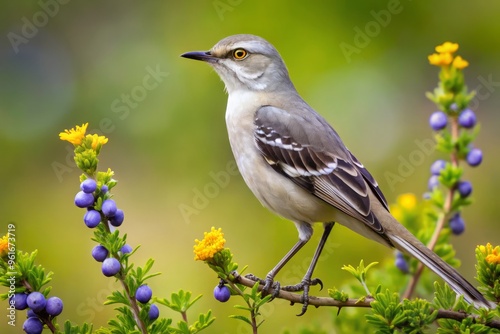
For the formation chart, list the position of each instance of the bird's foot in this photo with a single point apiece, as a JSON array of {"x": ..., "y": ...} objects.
[
  {"x": 267, "y": 284},
  {"x": 304, "y": 286}
]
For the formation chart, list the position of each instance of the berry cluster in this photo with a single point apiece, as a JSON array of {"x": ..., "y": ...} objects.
[
  {"x": 464, "y": 120},
  {"x": 38, "y": 308},
  {"x": 86, "y": 198}
]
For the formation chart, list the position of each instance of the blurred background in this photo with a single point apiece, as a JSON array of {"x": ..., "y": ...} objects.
[{"x": 116, "y": 65}]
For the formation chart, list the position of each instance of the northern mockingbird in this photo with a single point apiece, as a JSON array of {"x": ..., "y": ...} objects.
[{"x": 298, "y": 167}]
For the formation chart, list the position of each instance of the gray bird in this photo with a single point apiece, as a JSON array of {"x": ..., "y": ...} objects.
[{"x": 298, "y": 167}]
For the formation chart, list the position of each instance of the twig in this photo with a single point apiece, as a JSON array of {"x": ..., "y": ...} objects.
[{"x": 365, "y": 302}]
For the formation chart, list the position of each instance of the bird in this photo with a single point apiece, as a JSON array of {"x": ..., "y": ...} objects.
[{"x": 298, "y": 167}]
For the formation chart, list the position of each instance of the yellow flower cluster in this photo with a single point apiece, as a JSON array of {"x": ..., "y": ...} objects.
[
  {"x": 76, "y": 135},
  {"x": 492, "y": 254},
  {"x": 212, "y": 243},
  {"x": 404, "y": 203},
  {"x": 4, "y": 246},
  {"x": 444, "y": 56}
]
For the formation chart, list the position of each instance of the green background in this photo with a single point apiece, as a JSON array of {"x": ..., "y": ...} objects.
[{"x": 84, "y": 57}]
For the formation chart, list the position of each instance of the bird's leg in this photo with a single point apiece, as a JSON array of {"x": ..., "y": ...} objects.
[
  {"x": 305, "y": 233},
  {"x": 307, "y": 281}
]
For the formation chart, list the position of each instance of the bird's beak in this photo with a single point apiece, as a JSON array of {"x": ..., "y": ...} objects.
[{"x": 200, "y": 55}]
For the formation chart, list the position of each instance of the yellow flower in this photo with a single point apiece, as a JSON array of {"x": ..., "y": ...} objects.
[
  {"x": 4, "y": 246},
  {"x": 447, "y": 47},
  {"x": 460, "y": 63},
  {"x": 493, "y": 259},
  {"x": 440, "y": 59},
  {"x": 96, "y": 140},
  {"x": 212, "y": 243},
  {"x": 407, "y": 201},
  {"x": 75, "y": 135}
]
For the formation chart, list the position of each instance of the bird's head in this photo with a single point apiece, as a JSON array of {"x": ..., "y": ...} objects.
[{"x": 246, "y": 62}]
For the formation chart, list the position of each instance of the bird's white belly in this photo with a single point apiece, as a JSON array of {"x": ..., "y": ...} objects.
[{"x": 273, "y": 190}]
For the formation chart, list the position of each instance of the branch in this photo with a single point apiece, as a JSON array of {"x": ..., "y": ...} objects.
[{"x": 351, "y": 302}]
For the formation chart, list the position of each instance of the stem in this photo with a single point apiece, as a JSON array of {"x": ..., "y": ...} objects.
[
  {"x": 184, "y": 317},
  {"x": 133, "y": 307},
  {"x": 352, "y": 302},
  {"x": 253, "y": 316},
  {"x": 443, "y": 217}
]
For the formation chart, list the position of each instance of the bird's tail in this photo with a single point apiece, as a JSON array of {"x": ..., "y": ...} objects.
[{"x": 407, "y": 243}]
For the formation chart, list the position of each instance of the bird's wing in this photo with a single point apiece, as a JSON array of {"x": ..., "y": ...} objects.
[{"x": 310, "y": 153}]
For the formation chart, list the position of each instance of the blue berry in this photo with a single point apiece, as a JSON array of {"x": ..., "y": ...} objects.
[
  {"x": 33, "y": 326},
  {"x": 110, "y": 266},
  {"x": 92, "y": 218},
  {"x": 84, "y": 200},
  {"x": 438, "y": 120},
  {"x": 143, "y": 294},
  {"x": 126, "y": 249},
  {"x": 100, "y": 253},
  {"x": 457, "y": 224},
  {"x": 104, "y": 189},
  {"x": 222, "y": 293},
  {"x": 19, "y": 300},
  {"x": 153, "y": 313},
  {"x": 31, "y": 314},
  {"x": 117, "y": 219},
  {"x": 464, "y": 188},
  {"x": 109, "y": 208},
  {"x": 437, "y": 167},
  {"x": 36, "y": 301},
  {"x": 401, "y": 263},
  {"x": 467, "y": 119},
  {"x": 433, "y": 182},
  {"x": 88, "y": 186},
  {"x": 474, "y": 157},
  {"x": 54, "y": 306}
]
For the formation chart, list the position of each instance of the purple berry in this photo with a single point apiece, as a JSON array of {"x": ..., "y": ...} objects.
[
  {"x": 126, "y": 249},
  {"x": 84, "y": 200},
  {"x": 33, "y": 326},
  {"x": 110, "y": 266},
  {"x": 99, "y": 253},
  {"x": 88, "y": 186},
  {"x": 92, "y": 218},
  {"x": 104, "y": 189},
  {"x": 54, "y": 306},
  {"x": 117, "y": 219},
  {"x": 143, "y": 294},
  {"x": 31, "y": 314},
  {"x": 433, "y": 182},
  {"x": 109, "y": 208},
  {"x": 438, "y": 120},
  {"x": 467, "y": 119},
  {"x": 437, "y": 167},
  {"x": 19, "y": 300},
  {"x": 457, "y": 224},
  {"x": 153, "y": 313},
  {"x": 222, "y": 293},
  {"x": 474, "y": 157},
  {"x": 36, "y": 301},
  {"x": 401, "y": 263},
  {"x": 464, "y": 188}
]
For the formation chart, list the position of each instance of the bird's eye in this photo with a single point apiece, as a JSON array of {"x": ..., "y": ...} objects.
[{"x": 240, "y": 54}]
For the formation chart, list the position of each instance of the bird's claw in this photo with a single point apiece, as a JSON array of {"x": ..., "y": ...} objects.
[
  {"x": 304, "y": 286},
  {"x": 267, "y": 283}
]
